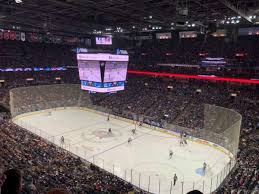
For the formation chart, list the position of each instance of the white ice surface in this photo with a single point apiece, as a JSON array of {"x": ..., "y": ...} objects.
[{"x": 143, "y": 162}]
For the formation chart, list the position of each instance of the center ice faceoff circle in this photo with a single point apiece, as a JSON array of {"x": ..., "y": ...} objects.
[{"x": 101, "y": 135}]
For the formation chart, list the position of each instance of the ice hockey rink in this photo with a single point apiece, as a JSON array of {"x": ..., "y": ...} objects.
[{"x": 144, "y": 162}]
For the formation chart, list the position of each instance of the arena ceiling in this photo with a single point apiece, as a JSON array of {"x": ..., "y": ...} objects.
[{"x": 84, "y": 16}]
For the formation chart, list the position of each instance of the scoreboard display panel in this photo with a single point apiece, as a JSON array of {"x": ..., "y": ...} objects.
[
  {"x": 115, "y": 71},
  {"x": 88, "y": 71},
  {"x": 102, "y": 72}
]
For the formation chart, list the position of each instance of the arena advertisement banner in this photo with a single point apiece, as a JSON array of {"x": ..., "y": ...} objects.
[
  {"x": 34, "y": 37},
  {"x": 71, "y": 40},
  {"x": 102, "y": 87},
  {"x": 248, "y": 31},
  {"x": 213, "y": 61},
  {"x": 23, "y": 36},
  {"x": 188, "y": 34},
  {"x": 176, "y": 65},
  {"x": 18, "y": 35},
  {"x": 106, "y": 40},
  {"x": 12, "y": 35},
  {"x": 102, "y": 57},
  {"x": 30, "y": 37},
  {"x": 147, "y": 37},
  {"x": 161, "y": 36},
  {"x": 32, "y": 69},
  {"x": 6, "y": 35},
  {"x": 220, "y": 33},
  {"x": 38, "y": 37}
]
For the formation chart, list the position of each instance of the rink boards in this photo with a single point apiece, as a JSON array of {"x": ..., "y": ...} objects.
[{"x": 148, "y": 135}]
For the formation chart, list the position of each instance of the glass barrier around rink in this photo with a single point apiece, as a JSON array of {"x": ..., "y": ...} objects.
[
  {"x": 225, "y": 134},
  {"x": 35, "y": 98},
  {"x": 157, "y": 183},
  {"x": 115, "y": 169},
  {"x": 148, "y": 181},
  {"x": 130, "y": 175},
  {"x": 221, "y": 125}
]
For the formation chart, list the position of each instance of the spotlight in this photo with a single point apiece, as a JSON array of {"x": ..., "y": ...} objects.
[{"x": 18, "y": 1}]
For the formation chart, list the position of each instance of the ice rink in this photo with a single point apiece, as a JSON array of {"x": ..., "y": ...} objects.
[{"x": 144, "y": 162}]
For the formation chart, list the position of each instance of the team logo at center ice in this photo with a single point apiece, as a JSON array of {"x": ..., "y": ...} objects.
[{"x": 102, "y": 134}]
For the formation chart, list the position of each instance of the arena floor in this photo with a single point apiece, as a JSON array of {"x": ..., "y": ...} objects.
[{"x": 143, "y": 162}]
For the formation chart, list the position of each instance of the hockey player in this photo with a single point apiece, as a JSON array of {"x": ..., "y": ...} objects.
[
  {"x": 109, "y": 130},
  {"x": 204, "y": 167},
  {"x": 129, "y": 140},
  {"x": 62, "y": 140},
  {"x": 140, "y": 124},
  {"x": 175, "y": 179},
  {"x": 181, "y": 134},
  {"x": 133, "y": 131},
  {"x": 108, "y": 118},
  {"x": 184, "y": 140},
  {"x": 181, "y": 142},
  {"x": 171, "y": 153}
]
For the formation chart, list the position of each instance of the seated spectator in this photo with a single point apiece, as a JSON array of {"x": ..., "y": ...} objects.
[
  {"x": 12, "y": 183},
  {"x": 195, "y": 192}
]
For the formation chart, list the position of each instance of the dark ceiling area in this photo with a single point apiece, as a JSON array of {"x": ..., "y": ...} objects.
[{"x": 84, "y": 16}]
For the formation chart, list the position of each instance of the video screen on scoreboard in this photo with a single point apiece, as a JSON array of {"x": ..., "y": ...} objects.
[
  {"x": 102, "y": 72},
  {"x": 89, "y": 70},
  {"x": 115, "y": 71}
]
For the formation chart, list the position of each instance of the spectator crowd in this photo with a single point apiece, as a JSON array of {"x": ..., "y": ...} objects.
[
  {"x": 42, "y": 166},
  {"x": 46, "y": 166}
]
